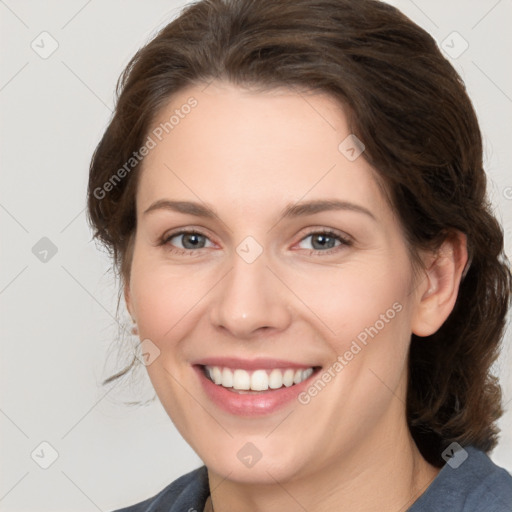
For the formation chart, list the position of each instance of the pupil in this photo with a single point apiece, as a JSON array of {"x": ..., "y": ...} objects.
[
  {"x": 324, "y": 241},
  {"x": 187, "y": 239}
]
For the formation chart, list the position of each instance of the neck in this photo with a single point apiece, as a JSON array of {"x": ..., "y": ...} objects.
[{"x": 385, "y": 473}]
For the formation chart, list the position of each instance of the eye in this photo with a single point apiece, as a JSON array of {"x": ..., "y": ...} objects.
[
  {"x": 188, "y": 240},
  {"x": 325, "y": 241},
  {"x": 185, "y": 242}
]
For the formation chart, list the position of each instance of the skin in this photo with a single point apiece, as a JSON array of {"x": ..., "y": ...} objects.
[{"x": 248, "y": 155}]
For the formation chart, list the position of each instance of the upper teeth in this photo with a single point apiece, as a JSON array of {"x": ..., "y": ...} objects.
[{"x": 258, "y": 380}]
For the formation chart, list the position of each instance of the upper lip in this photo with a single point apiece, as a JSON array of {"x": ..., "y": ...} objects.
[{"x": 250, "y": 364}]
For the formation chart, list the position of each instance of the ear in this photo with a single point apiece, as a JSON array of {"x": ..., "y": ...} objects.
[
  {"x": 438, "y": 292},
  {"x": 129, "y": 307}
]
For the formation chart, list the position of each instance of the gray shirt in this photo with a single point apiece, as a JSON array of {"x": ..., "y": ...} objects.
[{"x": 474, "y": 484}]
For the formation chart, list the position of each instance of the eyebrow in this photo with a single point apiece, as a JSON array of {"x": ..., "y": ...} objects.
[{"x": 290, "y": 211}]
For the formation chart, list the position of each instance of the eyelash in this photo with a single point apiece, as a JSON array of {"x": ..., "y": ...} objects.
[{"x": 345, "y": 242}]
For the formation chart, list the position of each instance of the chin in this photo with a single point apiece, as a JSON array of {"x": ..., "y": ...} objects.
[{"x": 255, "y": 459}]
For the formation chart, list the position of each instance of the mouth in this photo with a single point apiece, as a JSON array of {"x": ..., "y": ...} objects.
[
  {"x": 253, "y": 388},
  {"x": 243, "y": 381}
]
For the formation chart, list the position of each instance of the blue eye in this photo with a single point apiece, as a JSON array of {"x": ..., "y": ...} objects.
[
  {"x": 323, "y": 241},
  {"x": 190, "y": 240}
]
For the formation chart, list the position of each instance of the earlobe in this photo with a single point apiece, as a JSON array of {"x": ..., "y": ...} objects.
[
  {"x": 439, "y": 290},
  {"x": 129, "y": 307}
]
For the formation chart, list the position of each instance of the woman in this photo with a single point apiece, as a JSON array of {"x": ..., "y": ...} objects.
[{"x": 294, "y": 197}]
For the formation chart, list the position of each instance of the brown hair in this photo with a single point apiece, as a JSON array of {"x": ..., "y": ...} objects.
[{"x": 409, "y": 107}]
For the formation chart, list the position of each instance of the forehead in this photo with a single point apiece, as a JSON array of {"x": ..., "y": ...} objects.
[{"x": 226, "y": 143}]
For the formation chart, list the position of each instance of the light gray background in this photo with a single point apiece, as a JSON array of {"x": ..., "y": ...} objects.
[{"x": 57, "y": 320}]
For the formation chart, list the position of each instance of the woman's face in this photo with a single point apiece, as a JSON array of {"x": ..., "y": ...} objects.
[{"x": 261, "y": 295}]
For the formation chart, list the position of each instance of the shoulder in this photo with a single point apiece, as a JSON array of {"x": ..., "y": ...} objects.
[
  {"x": 188, "y": 493},
  {"x": 470, "y": 482}
]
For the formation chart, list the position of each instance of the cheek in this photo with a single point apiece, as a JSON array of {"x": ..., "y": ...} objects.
[
  {"x": 165, "y": 297},
  {"x": 354, "y": 301},
  {"x": 363, "y": 312},
  {"x": 167, "y": 301},
  {"x": 370, "y": 320}
]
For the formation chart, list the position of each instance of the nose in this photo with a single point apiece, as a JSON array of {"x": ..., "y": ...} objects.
[{"x": 250, "y": 300}]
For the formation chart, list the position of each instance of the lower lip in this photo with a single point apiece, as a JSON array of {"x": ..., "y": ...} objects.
[{"x": 251, "y": 404}]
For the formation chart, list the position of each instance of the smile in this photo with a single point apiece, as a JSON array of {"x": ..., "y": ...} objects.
[
  {"x": 239, "y": 379},
  {"x": 251, "y": 388}
]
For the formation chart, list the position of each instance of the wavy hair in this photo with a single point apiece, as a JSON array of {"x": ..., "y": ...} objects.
[{"x": 407, "y": 104}]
